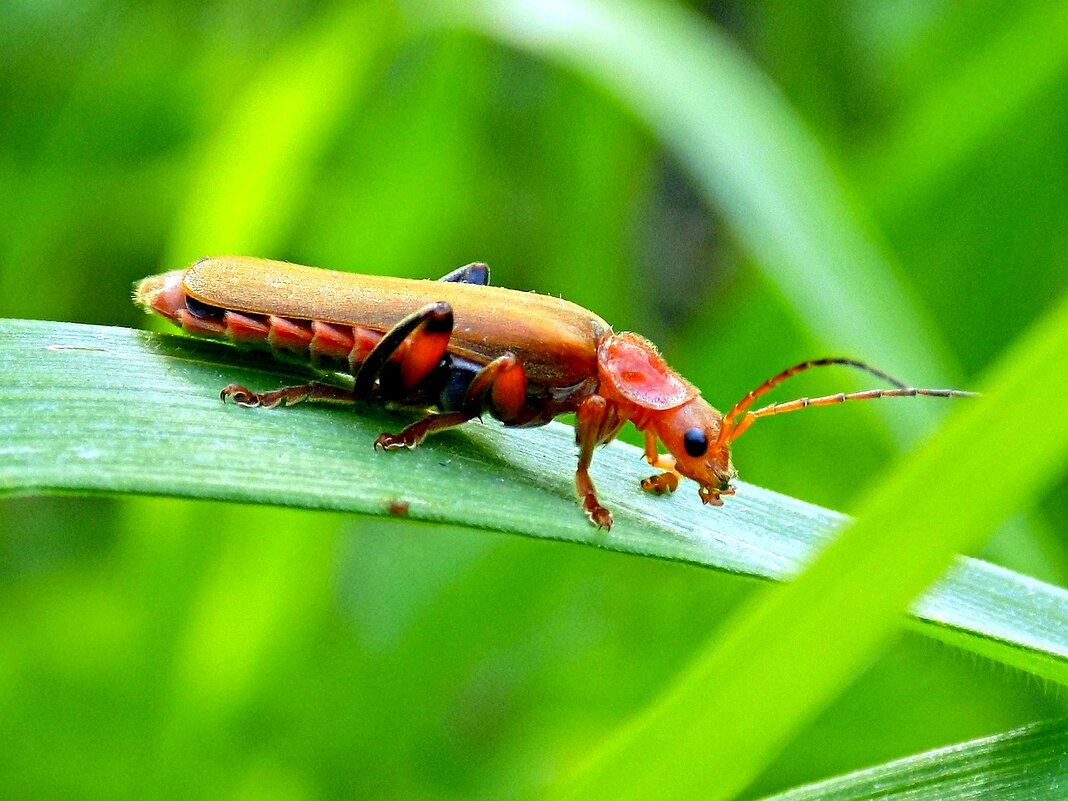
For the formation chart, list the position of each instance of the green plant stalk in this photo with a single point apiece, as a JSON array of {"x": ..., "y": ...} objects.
[{"x": 777, "y": 664}]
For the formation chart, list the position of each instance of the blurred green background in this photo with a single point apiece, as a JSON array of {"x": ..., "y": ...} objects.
[{"x": 155, "y": 647}]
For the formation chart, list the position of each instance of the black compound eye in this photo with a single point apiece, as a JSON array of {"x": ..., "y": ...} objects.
[{"x": 695, "y": 442}]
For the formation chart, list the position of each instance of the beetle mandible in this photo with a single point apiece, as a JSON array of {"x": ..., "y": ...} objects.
[{"x": 463, "y": 347}]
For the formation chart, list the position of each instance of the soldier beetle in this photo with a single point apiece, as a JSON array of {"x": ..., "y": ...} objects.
[{"x": 464, "y": 348}]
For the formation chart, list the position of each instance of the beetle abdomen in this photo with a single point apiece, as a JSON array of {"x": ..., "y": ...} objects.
[{"x": 326, "y": 345}]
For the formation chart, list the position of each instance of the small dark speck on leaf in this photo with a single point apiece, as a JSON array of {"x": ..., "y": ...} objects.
[{"x": 398, "y": 508}]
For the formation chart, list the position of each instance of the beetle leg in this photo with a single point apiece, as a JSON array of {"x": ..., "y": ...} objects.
[
  {"x": 414, "y": 347},
  {"x": 661, "y": 483},
  {"x": 590, "y": 419},
  {"x": 475, "y": 273},
  {"x": 425, "y": 336},
  {"x": 414, "y": 434},
  {"x": 313, "y": 391},
  {"x": 503, "y": 385}
]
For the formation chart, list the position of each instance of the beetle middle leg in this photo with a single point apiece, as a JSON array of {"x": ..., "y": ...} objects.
[{"x": 499, "y": 386}]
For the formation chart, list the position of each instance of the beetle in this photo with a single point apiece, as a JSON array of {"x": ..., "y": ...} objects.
[{"x": 464, "y": 348}]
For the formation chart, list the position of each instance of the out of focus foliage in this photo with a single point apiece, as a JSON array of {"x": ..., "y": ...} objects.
[{"x": 156, "y": 648}]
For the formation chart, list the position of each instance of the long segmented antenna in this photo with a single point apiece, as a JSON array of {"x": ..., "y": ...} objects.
[
  {"x": 733, "y": 427},
  {"x": 789, "y": 372}
]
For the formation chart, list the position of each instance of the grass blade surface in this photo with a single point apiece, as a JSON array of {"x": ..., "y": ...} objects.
[
  {"x": 92, "y": 409},
  {"x": 1027, "y": 764}
]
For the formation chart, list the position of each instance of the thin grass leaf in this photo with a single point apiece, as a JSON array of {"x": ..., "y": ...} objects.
[
  {"x": 778, "y": 663},
  {"x": 950, "y": 120},
  {"x": 91, "y": 409},
  {"x": 256, "y": 168},
  {"x": 1026, "y": 764}
]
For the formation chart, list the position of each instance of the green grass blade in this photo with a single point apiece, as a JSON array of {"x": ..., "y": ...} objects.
[
  {"x": 1027, "y": 764},
  {"x": 776, "y": 665},
  {"x": 950, "y": 120},
  {"x": 91, "y": 409},
  {"x": 749, "y": 154},
  {"x": 254, "y": 171}
]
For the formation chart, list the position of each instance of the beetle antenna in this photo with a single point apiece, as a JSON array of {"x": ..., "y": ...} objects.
[
  {"x": 737, "y": 420},
  {"x": 790, "y": 372}
]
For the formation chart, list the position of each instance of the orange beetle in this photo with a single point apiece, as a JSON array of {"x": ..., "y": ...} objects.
[{"x": 464, "y": 348}]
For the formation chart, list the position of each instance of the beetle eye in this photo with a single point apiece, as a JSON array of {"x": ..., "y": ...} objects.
[{"x": 695, "y": 442}]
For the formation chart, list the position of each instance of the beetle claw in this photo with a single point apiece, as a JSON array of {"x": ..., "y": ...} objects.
[
  {"x": 390, "y": 442},
  {"x": 601, "y": 518},
  {"x": 240, "y": 395},
  {"x": 597, "y": 514},
  {"x": 393, "y": 442}
]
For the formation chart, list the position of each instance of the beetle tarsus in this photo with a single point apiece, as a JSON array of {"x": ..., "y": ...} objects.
[
  {"x": 314, "y": 391},
  {"x": 661, "y": 483},
  {"x": 412, "y": 436},
  {"x": 711, "y": 497},
  {"x": 392, "y": 442},
  {"x": 597, "y": 514}
]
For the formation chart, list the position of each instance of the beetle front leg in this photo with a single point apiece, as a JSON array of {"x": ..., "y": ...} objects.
[
  {"x": 589, "y": 422},
  {"x": 661, "y": 483}
]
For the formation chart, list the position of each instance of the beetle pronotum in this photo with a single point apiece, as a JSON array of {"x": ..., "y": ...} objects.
[{"x": 462, "y": 347}]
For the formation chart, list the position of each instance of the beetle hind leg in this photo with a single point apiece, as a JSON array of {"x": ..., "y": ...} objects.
[
  {"x": 407, "y": 354},
  {"x": 404, "y": 357},
  {"x": 288, "y": 396}
]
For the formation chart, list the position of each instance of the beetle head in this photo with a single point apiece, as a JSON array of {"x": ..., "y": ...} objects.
[{"x": 691, "y": 433}]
